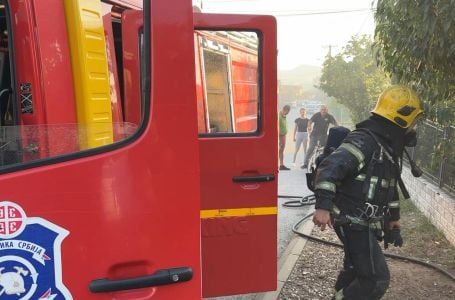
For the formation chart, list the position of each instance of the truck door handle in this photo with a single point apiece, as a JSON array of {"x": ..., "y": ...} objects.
[
  {"x": 160, "y": 277},
  {"x": 257, "y": 178}
]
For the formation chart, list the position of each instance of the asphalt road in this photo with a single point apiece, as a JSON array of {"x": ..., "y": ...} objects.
[{"x": 291, "y": 183}]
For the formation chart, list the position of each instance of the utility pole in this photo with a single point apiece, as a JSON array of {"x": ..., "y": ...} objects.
[
  {"x": 198, "y": 3},
  {"x": 330, "y": 49}
]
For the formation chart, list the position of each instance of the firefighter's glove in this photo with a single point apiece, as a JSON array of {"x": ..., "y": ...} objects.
[{"x": 393, "y": 236}]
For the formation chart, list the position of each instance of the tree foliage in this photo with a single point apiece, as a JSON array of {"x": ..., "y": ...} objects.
[
  {"x": 353, "y": 78},
  {"x": 415, "y": 41}
]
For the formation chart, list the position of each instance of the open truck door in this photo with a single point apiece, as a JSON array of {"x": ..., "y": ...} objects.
[
  {"x": 107, "y": 210},
  {"x": 237, "y": 112}
]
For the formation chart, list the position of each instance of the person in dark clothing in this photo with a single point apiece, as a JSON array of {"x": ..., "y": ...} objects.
[
  {"x": 318, "y": 126},
  {"x": 356, "y": 189}
]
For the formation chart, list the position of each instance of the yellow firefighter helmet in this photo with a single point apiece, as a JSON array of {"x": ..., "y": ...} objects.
[{"x": 399, "y": 104}]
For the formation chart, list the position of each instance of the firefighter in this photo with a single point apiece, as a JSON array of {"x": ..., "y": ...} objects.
[{"x": 356, "y": 189}]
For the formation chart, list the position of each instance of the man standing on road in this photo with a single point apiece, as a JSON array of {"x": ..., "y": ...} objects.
[
  {"x": 282, "y": 131},
  {"x": 356, "y": 189},
  {"x": 317, "y": 127}
]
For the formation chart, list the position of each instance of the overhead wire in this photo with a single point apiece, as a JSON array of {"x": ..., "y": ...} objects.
[
  {"x": 285, "y": 12},
  {"x": 299, "y": 13},
  {"x": 363, "y": 24}
]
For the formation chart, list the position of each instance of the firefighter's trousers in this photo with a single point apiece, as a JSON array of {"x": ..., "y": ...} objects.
[{"x": 365, "y": 274}]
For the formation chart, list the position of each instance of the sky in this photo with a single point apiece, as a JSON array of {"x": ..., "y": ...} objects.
[{"x": 306, "y": 28}]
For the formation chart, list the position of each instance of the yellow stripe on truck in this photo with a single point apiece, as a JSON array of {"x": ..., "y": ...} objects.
[
  {"x": 238, "y": 212},
  {"x": 84, "y": 23}
]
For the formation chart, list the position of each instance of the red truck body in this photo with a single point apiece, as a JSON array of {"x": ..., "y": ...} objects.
[{"x": 138, "y": 151}]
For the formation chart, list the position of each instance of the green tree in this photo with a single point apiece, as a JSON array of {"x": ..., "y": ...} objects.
[
  {"x": 415, "y": 41},
  {"x": 353, "y": 78}
]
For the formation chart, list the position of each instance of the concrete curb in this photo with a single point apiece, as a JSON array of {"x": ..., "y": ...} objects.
[{"x": 287, "y": 261}]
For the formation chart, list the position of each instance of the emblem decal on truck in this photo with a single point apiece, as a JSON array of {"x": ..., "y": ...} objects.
[
  {"x": 30, "y": 261},
  {"x": 26, "y": 98}
]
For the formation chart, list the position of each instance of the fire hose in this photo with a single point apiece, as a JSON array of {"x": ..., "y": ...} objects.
[{"x": 311, "y": 199}]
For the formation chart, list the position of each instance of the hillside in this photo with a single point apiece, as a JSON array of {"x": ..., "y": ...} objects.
[{"x": 304, "y": 75}]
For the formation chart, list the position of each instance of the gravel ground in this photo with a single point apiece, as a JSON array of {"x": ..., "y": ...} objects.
[{"x": 315, "y": 272}]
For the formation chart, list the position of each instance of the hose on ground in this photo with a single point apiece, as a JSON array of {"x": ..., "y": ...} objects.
[{"x": 309, "y": 200}]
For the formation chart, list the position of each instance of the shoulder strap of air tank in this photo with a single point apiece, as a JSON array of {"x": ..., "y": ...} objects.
[{"x": 391, "y": 158}]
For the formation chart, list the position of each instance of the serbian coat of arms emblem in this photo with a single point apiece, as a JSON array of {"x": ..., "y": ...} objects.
[{"x": 30, "y": 256}]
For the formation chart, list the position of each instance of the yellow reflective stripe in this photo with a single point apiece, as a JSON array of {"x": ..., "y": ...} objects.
[
  {"x": 385, "y": 183},
  {"x": 239, "y": 212},
  {"x": 336, "y": 210},
  {"x": 372, "y": 224},
  {"x": 354, "y": 151},
  {"x": 328, "y": 186},
  {"x": 394, "y": 204},
  {"x": 372, "y": 189},
  {"x": 339, "y": 295},
  {"x": 374, "y": 179},
  {"x": 361, "y": 177}
]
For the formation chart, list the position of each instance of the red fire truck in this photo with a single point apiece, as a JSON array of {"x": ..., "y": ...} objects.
[{"x": 137, "y": 151}]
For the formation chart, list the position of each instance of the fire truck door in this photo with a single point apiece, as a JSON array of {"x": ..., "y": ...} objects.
[
  {"x": 119, "y": 221},
  {"x": 236, "y": 60}
]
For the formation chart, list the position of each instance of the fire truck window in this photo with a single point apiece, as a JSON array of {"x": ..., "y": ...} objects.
[
  {"x": 227, "y": 82},
  {"x": 217, "y": 91},
  {"x": 44, "y": 113},
  {"x": 8, "y": 108}
]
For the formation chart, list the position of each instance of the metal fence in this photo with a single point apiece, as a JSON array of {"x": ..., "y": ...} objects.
[{"x": 435, "y": 154}]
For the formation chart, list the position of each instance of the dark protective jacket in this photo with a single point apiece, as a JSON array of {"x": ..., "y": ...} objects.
[{"x": 340, "y": 178}]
